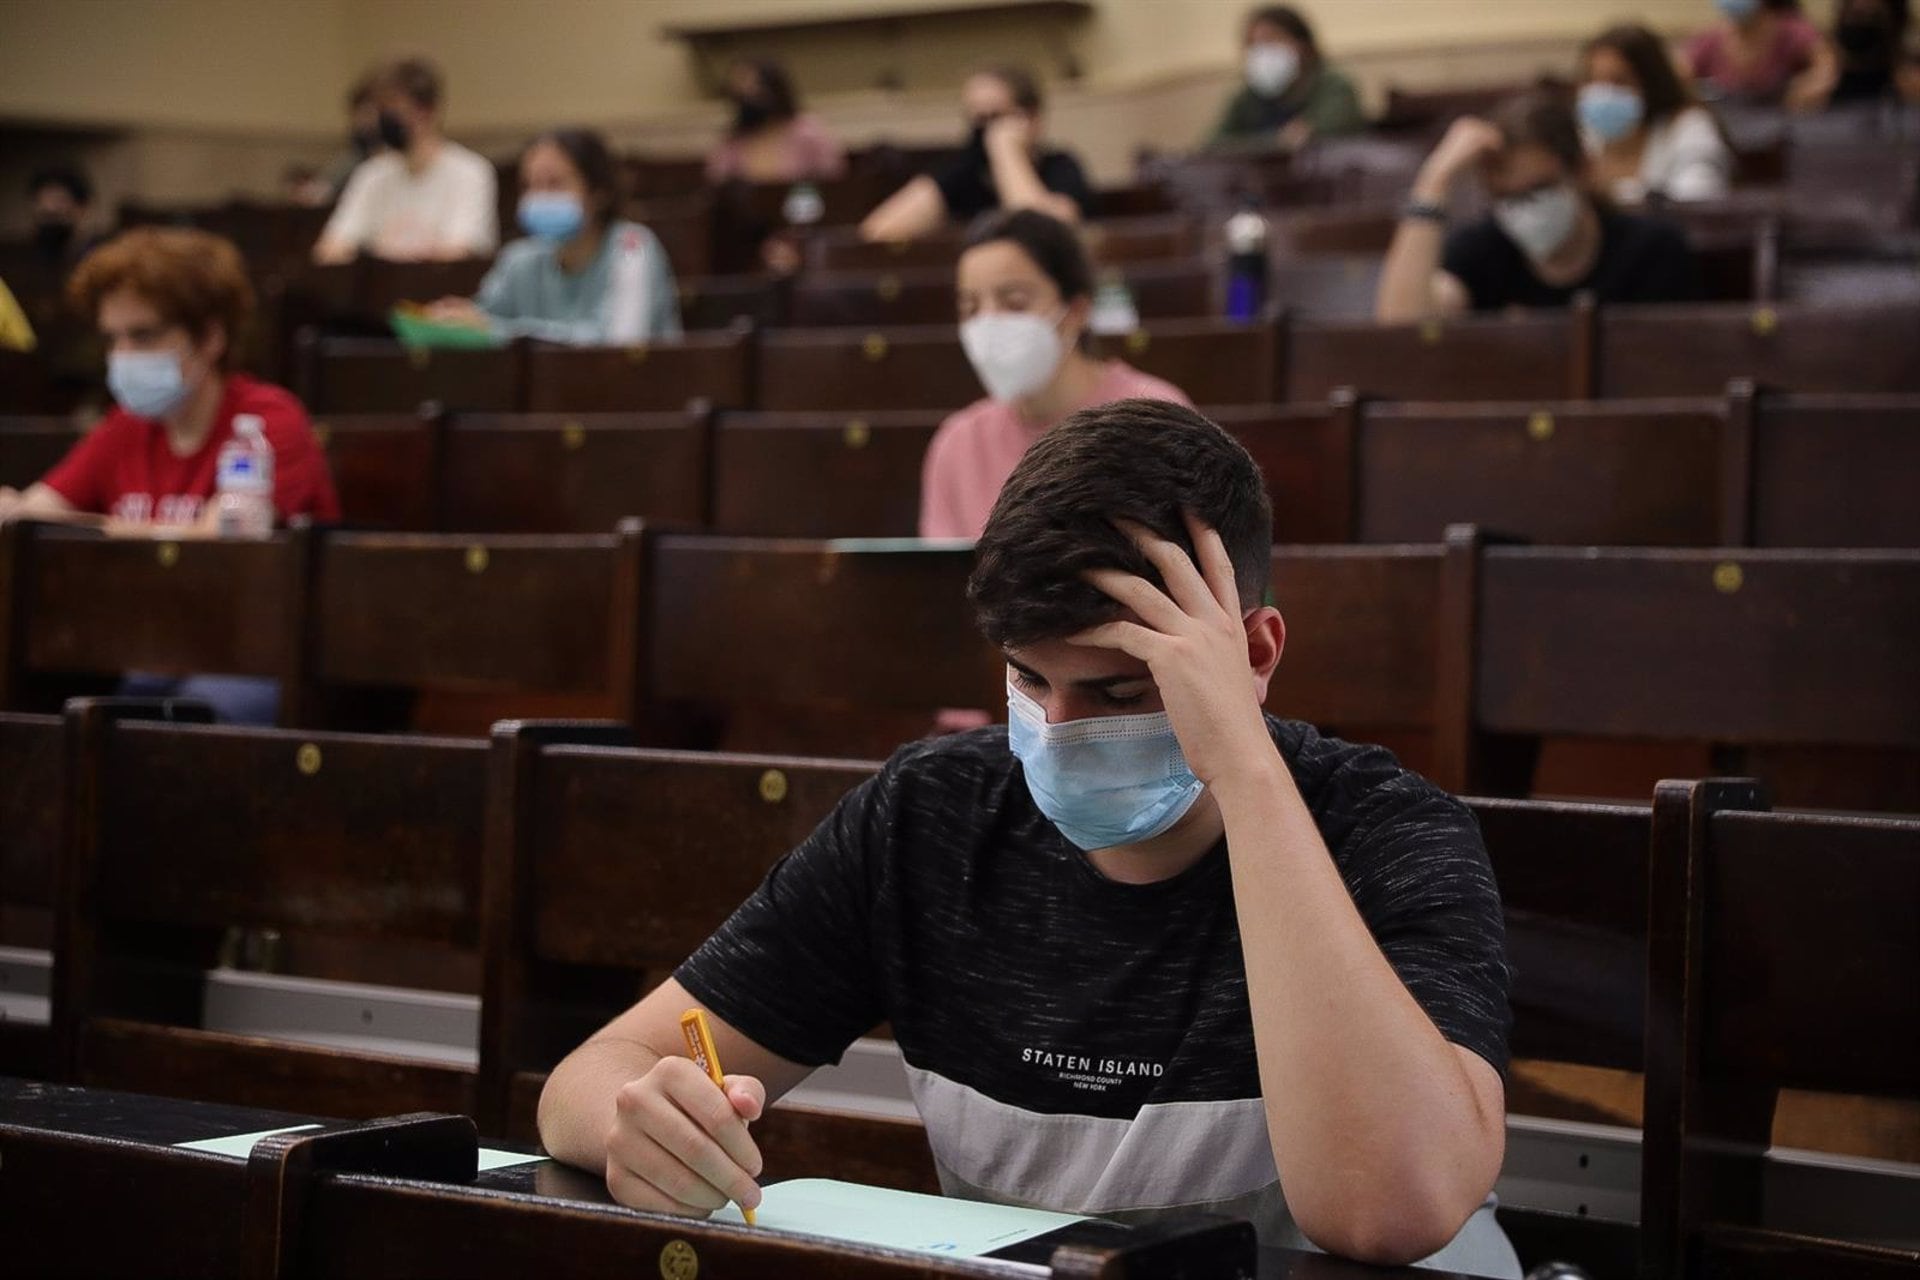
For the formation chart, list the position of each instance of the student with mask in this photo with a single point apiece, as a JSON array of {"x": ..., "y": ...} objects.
[
  {"x": 1869, "y": 37},
  {"x": 62, "y": 200},
  {"x": 170, "y": 304},
  {"x": 1646, "y": 132},
  {"x": 1760, "y": 51},
  {"x": 581, "y": 275},
  {"x": 363, "y": 134},
  {"x": 1024, "y": 291},
  {"x": 1547, "y": 238},
  {"x": 1003, "y": 166},
  {"x": 1291, "y": 94},
  {"x": 771, "y": 139},
  {"x": 424, "y": 198},
  {"x": 1144, "y": 947}
]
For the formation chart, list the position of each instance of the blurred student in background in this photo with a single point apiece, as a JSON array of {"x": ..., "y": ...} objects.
[
  {"x": 1646, "y": 131},
  {"x": 1547, "y": 238},
  {"x": 771, "y": 139},
  {"x": 1291, "y": 94},
  {"x": 582, "y": 274},
  {"x": 425, "y": 197},
  {"x": 62, "y": 207},
  {"x": 1003, "y": 166},
  {"x": 1761, "y": 51},
  {"x": 1870, "y": 39},
  {"x": 363, "y": 135},
  {"x": 171, "y": 305},
  {"x": 1024, "y": 292}
]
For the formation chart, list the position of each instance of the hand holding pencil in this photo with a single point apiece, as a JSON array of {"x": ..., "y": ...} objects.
[{"x": 678, "y": 1144}]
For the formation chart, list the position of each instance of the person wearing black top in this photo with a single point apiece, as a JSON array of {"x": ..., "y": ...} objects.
[
  {"x": 1548, "y": 237},
  {"x": 1142, "y": 948},
  {"x": 1002, "y": 166}
]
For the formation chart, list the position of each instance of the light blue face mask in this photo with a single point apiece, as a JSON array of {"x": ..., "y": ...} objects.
[
  {"x": 149, "y": 384},
  {"x": 553, "y": 216},
  {"x": 1105, "y": 781},
  {"x": 1610, "y": 111},
  {"x": 1738, "y": 10}
]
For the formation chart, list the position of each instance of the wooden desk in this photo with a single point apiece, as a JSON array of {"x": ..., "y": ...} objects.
[{"x": 384, "y": 1199}]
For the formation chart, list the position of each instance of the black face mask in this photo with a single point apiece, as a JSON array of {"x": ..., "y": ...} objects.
[
  {"x": 52, "y": 238},
  {"x": 750, "y": 114},
  {"x": 1861, "y": 36},
  {"x": 977, "y": 137},
  {"x": 394, "y": 132}
]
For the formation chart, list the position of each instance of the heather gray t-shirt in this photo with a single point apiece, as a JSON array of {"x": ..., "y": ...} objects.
[{"x": 1072, "y": 1042}]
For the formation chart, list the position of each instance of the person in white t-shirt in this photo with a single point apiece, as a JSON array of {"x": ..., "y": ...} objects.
[{"x": 425, "y": 198}]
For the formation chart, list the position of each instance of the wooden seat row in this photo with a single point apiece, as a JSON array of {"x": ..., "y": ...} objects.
[
  {"x": 579, "y": 866},
  {"x": 1751, "y": 468},
  {"x": 1472, "y": 652},
  {"x": 1614, "y": 353},
  {"x": 414, "y": 1195}
]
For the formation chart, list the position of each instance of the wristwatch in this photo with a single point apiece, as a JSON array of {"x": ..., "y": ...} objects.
[{"x": 1424, "y": 210}]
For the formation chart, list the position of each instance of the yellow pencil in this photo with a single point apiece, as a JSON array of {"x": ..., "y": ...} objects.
[{"x": 693, "y": 1025}]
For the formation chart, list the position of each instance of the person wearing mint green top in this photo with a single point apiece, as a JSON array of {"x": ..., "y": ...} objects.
[
  {"x": 1291, "y": 95},
  {"x": 580, "y": 276}
]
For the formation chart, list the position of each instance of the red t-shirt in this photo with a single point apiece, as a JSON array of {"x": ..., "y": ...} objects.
[{"x": 124, "y": 468}]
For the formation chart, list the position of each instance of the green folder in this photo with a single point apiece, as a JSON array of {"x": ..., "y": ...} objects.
[
  {"x": 415, "y": 330},
  {"x": 856, "y": 1214}
]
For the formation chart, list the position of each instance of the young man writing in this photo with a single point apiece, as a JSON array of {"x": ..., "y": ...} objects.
[{"x": 1145, "y": 947}]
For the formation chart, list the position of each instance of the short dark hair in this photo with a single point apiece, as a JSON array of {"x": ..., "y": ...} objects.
[
  {"x": 776, "y": 87},
  {"x": 1141, "y": 460},
  {"x": 1054, "y": 246},
  {"x": 1021, "y": 86},
  {"x": 1543, "y": 118},
  {"x": 66, "y": 177},
  {"x": 417, "y": 78},
  {"x": 1283, "y": 17},
  {"x": 1662, "y": 91},
  {"x": 592, "y": 158}
]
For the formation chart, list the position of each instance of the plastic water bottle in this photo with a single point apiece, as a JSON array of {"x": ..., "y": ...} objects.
[
  {"x": 1113, "y": 310},
  {"x": 803, "y": 206},
  {"x": 243, "y": 481},
  {"x": 1246, "y": 236}
]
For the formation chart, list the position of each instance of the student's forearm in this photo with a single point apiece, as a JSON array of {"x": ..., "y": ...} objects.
[
  {"x": 577, "y": 1105},
  {"x": 1406, "y": 278},
  {"x": 1382, "y": 1142},
  {"x": 1015, "y": 178}
]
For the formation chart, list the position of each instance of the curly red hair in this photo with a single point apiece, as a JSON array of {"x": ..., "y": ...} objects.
[{"x": 192, "y": 278}]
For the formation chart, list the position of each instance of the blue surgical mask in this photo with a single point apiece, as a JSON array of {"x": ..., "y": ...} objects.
[
  {"x": 1609, "y": 111},
  {"x": 1105, "y": 781},
  {"x": 1738, "y": 10},
  {"x": 553, "y": 216},
  {"x": 149, "y": 384}
]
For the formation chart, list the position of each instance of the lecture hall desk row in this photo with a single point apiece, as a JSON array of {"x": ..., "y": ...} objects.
[
  {"x": 1764, "y": 469},
  {"x": 1470, "y": 651},
  {"x": 1582, "y": 353},
  {"x": 1726, "y": 950}
]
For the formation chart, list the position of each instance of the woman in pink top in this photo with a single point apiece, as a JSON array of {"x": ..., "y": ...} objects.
[
  {"x": 770, "y": 140},
  {"x": 1762, "y": 51},
  {"x": 1025, "y": 290}
]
